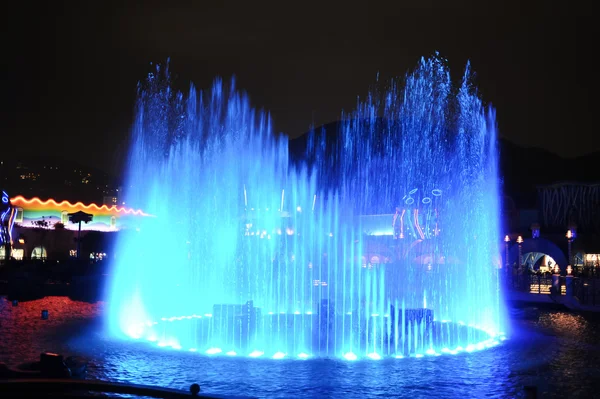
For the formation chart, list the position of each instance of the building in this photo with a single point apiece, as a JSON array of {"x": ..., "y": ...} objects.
[
  {"x": 42, "y": 228},
  {"x": 570, "y": 203},
  {"x": 562, "y": 229}
]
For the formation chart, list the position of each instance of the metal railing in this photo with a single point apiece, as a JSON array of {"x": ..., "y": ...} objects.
[{"x": 586, "y": 286}]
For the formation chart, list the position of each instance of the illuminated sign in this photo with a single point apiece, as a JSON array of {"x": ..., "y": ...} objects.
[
  {"x": 7, "y": 218},
  {"x": 36, "y": 213}
]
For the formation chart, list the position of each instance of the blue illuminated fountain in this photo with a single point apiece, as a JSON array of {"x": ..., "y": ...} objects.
[{"x": 248, "y": 255}]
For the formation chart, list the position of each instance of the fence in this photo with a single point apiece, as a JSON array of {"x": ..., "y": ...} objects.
[{"x": 586, "y": 287}]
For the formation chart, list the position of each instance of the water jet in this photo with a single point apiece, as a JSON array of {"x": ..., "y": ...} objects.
[{"x": 250, "y": 254}]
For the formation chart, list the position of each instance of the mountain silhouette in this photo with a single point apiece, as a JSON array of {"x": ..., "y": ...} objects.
[{"x": 521, "y": 169}]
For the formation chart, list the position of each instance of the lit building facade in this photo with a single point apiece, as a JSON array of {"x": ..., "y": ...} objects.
[
  {"x": 33, "y": 213},
  {"x": 41, "y": 228}
]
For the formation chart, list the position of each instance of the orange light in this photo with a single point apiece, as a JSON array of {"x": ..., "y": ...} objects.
[{"x": 79, "y": 206}]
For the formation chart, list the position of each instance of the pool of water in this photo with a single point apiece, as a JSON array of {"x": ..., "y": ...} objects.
[{"x": 556, "y": 351}]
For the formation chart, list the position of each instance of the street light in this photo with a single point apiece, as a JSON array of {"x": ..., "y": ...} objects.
[
  {"x": 520, "y": 242},
  {"x": 506, "y": 243},
  {"x": 569, "y": 243}
]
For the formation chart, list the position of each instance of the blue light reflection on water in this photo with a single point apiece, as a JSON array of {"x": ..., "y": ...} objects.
[
  {"x": 483, "y": 374},
  {"x": 491, "y": 373},
  {"x": 556, "y": 350}
]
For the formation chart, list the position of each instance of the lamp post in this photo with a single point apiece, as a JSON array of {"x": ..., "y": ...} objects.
[
  {"x": 569, "y": 244},
  {"x": 520, "y": 242},
  {"x": 506, "y": 263},
  {"x": 555, "y": 290}
]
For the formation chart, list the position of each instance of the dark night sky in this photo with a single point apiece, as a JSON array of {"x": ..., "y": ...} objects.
[{"x": 69, "y": 70}]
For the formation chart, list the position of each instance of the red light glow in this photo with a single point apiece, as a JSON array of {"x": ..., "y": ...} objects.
[{"x": 38, "y": 204}]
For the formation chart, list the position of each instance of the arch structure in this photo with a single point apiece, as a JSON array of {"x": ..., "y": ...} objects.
[{"x": 537, "y": 246}]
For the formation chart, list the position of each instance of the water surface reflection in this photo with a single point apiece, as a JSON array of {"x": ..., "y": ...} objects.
[{"x": 555, "y": 350}]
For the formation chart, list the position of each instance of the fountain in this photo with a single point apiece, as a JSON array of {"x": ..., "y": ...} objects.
[{"x": 250, "y": 254}]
